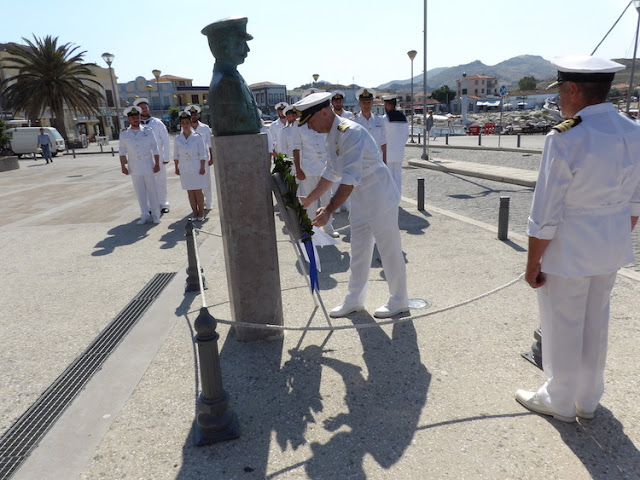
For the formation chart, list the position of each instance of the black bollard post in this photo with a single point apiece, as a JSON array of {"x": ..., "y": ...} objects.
[
  {"x": 73, "y": 150},
  {"x": 101, "y": 150},
  {"x": 518, "y": 145},
  {"x": 446, "y": 139},
  {"x": 535, "y": 355},
  {"x": 112, "y": 153},
  {"x": 193, "y": 282},
  {"x": 215, "y": 421},
  {"x": 479, "y": 139},
  {"x": 503, "y": 218},
  {"x": 418, "y": 138},
  {"x": 421, "y": 194}
]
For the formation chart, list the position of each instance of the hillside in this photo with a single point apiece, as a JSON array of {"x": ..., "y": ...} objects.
[{"x": 509, "y": 72}]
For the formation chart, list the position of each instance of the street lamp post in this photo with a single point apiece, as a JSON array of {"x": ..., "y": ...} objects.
[
  {"x": 636, "y": 4},
  {"x": 412, "y": 54},
  {"x": 425, "y": 153},
  {"x": 108, "y": 58},
  {"x": 156, "y": 73}
]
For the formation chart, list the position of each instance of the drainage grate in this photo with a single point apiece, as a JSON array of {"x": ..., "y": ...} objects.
[{"x": 23, "y": 436}]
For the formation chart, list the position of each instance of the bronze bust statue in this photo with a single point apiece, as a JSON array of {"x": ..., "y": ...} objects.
[{"x": 233, "y": 108}]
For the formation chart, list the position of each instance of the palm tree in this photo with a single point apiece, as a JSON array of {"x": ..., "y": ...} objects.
[{"x": 49, "y": 76}]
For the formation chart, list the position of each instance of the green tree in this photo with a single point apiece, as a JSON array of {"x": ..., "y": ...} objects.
[
  {"x": 443, "y": 94},
  {"x": 49, "y": 76},
  {"x": 527, "y": 83},
  {"x": 3, "y": 137},
  {"x": 173, "y": 114}
]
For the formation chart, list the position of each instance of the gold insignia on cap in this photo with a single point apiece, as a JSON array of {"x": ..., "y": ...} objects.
[{"x": 567, "y": 124}]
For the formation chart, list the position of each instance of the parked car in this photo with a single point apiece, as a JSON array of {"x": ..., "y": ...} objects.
[{"x": 24, "y": 140}]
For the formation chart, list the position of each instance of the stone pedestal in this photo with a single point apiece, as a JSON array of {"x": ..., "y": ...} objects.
[{"x": 243, "y": 181}]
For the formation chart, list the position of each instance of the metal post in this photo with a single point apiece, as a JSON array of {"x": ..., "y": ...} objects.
[
  {"x": 503, "y": 218},
  {"x": 73, "y": 150},
  {"x": 112, "y": 152},
  {"x": 446, "y": 139},
  {"x": 535, "y": 355},
  {"x": 193, "y": 281},
  {"x": 418, "y": 137},
  {"x": 421, "y": 194},
  {"x": 215, "y": 421},
  {"x": 518, "y": 145},
  {"x": 101, "y": 150},
  {"x": 425, "y": 149},
  {"x": 479, "y": 139}
]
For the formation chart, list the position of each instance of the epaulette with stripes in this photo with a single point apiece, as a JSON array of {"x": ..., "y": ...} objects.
[
  {"x": 567, "y": 124},
  {"x": 343, "y": 126}
]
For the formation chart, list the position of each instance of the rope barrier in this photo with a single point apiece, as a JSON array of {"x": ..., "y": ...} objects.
[{"x": 375, "y": 324}]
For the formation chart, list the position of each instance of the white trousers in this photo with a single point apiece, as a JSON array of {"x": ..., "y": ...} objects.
[
  {"x": 208, "y": 201},
  {"x": 384, "y": 232},
  {"x": 305, "y": 187},
  {"x": 161, "y": 181},
  {"x": 574, "y": 314},
  {"x": 146, "y": 188},
  {"x": 396, "y": 174}
]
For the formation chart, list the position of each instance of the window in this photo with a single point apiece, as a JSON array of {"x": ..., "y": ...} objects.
[
  {"x": 476, "y": 81},
  {"x": 110, "y": 102},
  {"x": 194, "y": 99}
]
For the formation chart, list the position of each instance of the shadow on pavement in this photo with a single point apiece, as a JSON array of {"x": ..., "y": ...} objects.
[
  {"x": 384, "y": 404},
  {"x": 412, "y": 224},
  {"x": 122, "y": 235},
  {"x": 275, "y": 403},
  {"x": 602, "y": 446}
]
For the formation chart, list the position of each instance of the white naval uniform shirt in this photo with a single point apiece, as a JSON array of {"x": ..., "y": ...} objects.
[
  {"x": 204, "y": 130},
  {"x": 139, "y": 146},
  {"x": 285, "y": 140},
  {"x": 588, "y": 187},
  {"x": 161, "y": 135},
  {"x": 275, "y": 128},
  {"x": 346, "y": 114},
  {"x": 396, "y": 134},
  {"x": 189, "y": 151},
  {"x": 375, "y": 126},
  {"x": 355, "y": 159},
  {"x": 313, "y": 149}
]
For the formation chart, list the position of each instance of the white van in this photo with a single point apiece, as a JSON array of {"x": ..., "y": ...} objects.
[{"x": 24, "y": 140}]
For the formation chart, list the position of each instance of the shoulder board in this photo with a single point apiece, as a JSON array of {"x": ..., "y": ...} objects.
[
  {"x": 343, "y": 126},
  {"x": 567, "y": 124}
]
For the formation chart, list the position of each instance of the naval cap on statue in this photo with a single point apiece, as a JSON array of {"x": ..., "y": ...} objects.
[
  {"x": 228, "y": 26},
  {"x": 311, "y": 104},
  {"x": 585, "y": 68}
]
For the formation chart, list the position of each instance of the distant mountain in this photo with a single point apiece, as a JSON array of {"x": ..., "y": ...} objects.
[{"x": 509, "y": 73}]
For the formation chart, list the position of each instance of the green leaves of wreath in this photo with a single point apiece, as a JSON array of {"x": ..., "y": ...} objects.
[{"x": 290, "y": 198}]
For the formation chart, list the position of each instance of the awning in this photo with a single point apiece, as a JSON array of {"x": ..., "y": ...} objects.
[{"x": 488, "y": 103}]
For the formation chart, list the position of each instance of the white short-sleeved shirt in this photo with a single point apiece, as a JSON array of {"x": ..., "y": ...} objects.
[
  {"x": 139, "y": 146},
  {"x": 587, "y": 189}
]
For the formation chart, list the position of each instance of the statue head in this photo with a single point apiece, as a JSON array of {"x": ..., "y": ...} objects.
[{"x": 228, "y": 39}]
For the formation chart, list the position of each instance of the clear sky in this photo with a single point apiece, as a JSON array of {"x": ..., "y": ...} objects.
[{"x": 343, "y": 41}]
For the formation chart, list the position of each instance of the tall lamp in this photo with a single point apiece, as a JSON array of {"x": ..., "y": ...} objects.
[
  {"x": 412, "y": 54},
  {"x": 636, "y": 4},
  {"x": 108, "y": 58},
  {"x": 425, "y": 152},
  {"x": 156, "y": 73}
]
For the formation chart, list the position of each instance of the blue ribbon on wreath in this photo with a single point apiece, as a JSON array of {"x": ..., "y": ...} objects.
[{"x": 313, "y": 269}]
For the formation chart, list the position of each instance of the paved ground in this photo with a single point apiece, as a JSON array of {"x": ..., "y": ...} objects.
[{"x": 432, "y": 398}]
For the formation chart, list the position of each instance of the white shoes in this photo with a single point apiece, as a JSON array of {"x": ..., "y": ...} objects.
[
  {"x": 386, "y": 311},
  {"x": 155, "y": 219},
  {"x": 330, "y": 231},
  {"x": 585, "y": 415},
  {"x": 142, "y": 220},
  {"x": 344, "y": 310},
  {"x": 531, "y": 401}
]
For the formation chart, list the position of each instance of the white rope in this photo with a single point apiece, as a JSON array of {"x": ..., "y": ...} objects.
[{"x": 374, "y": 324}]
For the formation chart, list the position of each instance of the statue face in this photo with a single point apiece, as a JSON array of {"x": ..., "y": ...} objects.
[{"x": 232, "y": 48}]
